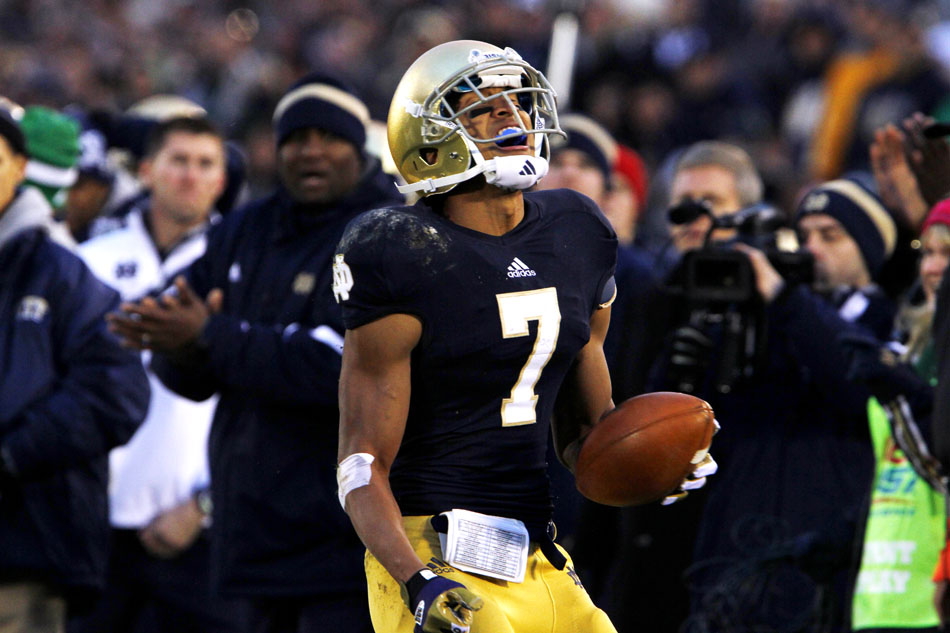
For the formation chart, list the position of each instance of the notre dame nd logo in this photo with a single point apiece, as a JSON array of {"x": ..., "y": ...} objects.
[
  {"x": 342, "y": 279},
  {"x": 32, "y": 308}
]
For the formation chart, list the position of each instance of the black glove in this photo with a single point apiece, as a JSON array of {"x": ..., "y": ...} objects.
[
  {"x": 440, "y": 605},
  {"x": 690, "y": 352},
  {"x": 886, "y": 377}
]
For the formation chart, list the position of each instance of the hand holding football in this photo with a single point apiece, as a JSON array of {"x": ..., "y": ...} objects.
[{"x": 644, "y": 448}]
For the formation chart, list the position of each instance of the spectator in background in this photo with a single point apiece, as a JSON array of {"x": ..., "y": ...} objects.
[
  {"x": 32, "y": 196},
  {"x": 888, "y": 78},
  {"x": 126, "y": 135},
  {"x": 87, "y": 197},
  {"x": 100, "y": 187},
  {"x": 905, "y": 526},
  {"x": 851, "y": 235},
  {"x": 626, "y": 198},
  {"x": 68, "y": 394},
  {"x": 912, "y": 168},
  {"x": 132, "y": 129},
  {"x": 254, "y": 320},
  {"x": 792, "y": 87},
  {"x": 52, "y": 140},
  {"x": 159, "y": 576}
]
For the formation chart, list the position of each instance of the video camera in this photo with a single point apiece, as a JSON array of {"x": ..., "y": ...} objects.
[
  {"x": 718, "y": 273},
  {"x": 718, "y": 284}
]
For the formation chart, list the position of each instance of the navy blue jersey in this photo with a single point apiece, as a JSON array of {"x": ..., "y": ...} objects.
[{"x": 502, "y": 319}]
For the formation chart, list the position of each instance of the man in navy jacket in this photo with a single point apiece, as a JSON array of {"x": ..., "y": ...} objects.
[
  {"x": 256, "y": 322},
  {"x": 68, "y": 394}
]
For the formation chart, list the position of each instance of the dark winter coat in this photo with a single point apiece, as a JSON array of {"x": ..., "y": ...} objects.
[
  {"x": 68, "y": 394},
  {"x": 273, "y": 354}
]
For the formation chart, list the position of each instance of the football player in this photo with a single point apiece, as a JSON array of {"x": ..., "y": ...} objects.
[{"x": 468, "y": 315}]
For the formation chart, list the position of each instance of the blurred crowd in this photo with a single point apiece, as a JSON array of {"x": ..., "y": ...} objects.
[
  {"x": 657, "y": 75},
  {"x": 688, "y": 121}
]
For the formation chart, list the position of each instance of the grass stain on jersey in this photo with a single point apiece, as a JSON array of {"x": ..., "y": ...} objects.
[{"x": 394, "y": 225}]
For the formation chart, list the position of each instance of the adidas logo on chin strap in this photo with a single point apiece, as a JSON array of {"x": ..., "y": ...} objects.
[
  {"x": 506, "y": 172},
  {"x": 516, "y": 172},
  {"x": 518, "y": 268}
]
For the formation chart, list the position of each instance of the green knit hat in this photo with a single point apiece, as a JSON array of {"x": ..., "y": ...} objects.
[{"x": 52, "y": 142}]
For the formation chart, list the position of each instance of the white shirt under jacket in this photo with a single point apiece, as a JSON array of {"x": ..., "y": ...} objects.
[{"x": 166, "y": 460}]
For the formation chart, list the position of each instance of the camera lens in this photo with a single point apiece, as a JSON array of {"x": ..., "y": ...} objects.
[{"x": 687, "y": 211}]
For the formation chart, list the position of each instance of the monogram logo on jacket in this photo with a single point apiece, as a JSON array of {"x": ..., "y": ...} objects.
[
  {"x": 304, "y": 283},
  {"x": 32, "y": 308},
  {"x": 125, "y": 270}
]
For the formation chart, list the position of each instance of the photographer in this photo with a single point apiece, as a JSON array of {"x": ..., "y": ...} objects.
[
  {"x": 723, "y": 177},
  {"x": 775, "y": 540},
  {"x": 720, "y": 175}
]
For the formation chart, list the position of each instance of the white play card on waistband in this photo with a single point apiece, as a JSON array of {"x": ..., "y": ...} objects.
[{"x": 486, "y": 545}]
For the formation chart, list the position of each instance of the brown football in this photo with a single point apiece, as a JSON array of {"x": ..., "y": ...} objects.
[{"x": 642, "y": 450}]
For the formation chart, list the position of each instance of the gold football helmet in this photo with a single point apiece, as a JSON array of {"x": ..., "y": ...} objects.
[{"x": 432, "y": 149}]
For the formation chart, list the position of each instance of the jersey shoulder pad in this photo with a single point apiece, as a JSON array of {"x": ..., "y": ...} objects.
[
  {"x": 382, "y": 260},
  {"x": 399, "y": 231}
]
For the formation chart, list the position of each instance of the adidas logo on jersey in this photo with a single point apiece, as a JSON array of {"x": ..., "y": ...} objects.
[
  {"x": 528, "y": 169},
  {"x": 518, "y": 268}
]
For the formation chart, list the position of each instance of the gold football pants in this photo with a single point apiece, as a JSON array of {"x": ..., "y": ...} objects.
[{"x": 548, "y": 601}]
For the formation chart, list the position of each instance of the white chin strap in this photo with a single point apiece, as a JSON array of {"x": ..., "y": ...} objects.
[
  {"x": 517, "y": 172},
  {"x": 507, "y": 172}
]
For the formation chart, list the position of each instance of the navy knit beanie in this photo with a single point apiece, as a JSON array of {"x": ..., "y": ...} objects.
[
  {"x": 587, "y": 136},
  {"x": 860, "y": 212},
  {"x": 323, "y": 102}
]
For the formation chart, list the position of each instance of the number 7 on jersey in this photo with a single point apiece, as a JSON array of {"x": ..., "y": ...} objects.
[{"x": 516, "y": 310}]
